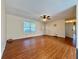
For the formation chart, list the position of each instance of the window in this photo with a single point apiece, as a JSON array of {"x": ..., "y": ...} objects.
[{"x": 29, "y": 27}]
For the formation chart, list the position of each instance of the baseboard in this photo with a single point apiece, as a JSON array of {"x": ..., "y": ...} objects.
[
  {"x": 25, "y": 38},
  {"x": 55, "y": 36},
  {"x": 3, "y": 50},
  {"x": 68, "y": 37},
  {"x": 36, "y": 36}
]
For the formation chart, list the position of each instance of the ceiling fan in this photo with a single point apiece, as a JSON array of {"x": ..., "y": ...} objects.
[{"x": 45, "y": 18}]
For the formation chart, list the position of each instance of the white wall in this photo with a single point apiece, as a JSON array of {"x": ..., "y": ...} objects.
[
  {"x": 59, "y": 29},
  {"x": 3, "y": 26},
  {"x": 15, "y": 27}
]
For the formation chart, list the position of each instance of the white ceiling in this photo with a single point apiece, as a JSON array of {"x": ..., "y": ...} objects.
[
  {"x": 35, "y": 8},
  {"x": 66, "y": 14}
]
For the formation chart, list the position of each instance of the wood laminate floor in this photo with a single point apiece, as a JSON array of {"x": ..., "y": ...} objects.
[{"x": 41, "y": 47}]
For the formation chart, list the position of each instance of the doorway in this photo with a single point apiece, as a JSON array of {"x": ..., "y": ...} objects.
[{"x": 70, "y": 31}]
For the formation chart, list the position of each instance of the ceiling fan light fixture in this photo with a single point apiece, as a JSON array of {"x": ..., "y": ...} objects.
[{"x": 44, "y": 20}]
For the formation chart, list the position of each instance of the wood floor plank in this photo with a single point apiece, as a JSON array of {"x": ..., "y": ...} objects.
[{"x": 41, "y": 47}]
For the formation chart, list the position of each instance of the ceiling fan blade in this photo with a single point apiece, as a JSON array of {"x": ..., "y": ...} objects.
[
  {"x": 45, "y": 17},
  {"x": 48, "y": 17}
]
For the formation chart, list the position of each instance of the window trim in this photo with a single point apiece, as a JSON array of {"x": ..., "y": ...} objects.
[{"x": 29, "y": 27}]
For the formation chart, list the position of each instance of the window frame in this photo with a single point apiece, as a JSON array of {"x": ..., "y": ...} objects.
[{"x": 30, "y": 27}]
